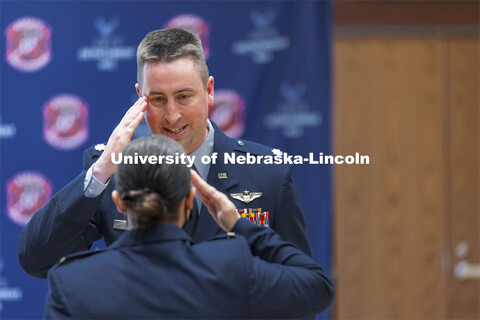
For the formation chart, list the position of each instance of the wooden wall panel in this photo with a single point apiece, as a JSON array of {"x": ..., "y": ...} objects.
[
  {"x": 464, "y": 105},
  {"x": 390, "y": 216}
]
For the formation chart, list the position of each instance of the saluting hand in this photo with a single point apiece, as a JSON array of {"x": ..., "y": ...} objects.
[
  {"x": 220, "y": 207},
  {"x": 120, "y": 137}
]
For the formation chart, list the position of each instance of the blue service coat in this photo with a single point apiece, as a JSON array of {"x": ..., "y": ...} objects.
[
  {"x": 71, "y": 222},
  {"x": 159, "y": 272}
]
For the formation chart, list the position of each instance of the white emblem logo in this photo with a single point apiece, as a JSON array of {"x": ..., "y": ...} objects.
[
  {"x": 293, "y": 115},
  {"x": 108, "y": 49},
  {"x": 7, "y": 130},
  {"x": 8, "y": 294},
  {"x": 263, "y": 41},
  {"x": 277, "y": 152}
]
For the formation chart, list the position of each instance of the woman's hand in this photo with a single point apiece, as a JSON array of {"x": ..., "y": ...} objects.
[{"x": 221, "y": 208}]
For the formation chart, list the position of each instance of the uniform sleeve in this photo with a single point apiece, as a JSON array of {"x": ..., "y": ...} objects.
[
  {"x": 66, "y": 224},
  {"x": 92, "y": 186},
  {"x": 288, "y": 220},
  {"x": 283, "y": 281},
  {"x": 57, "y": 306}
]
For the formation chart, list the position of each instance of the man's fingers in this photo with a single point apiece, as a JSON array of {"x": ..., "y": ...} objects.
[
  {"x": 130, "y": 121},
  {"x": 138, "y": 107},
  {"x": 130, "y": 110},
  {"x": 131, "y": 114},
  {"x": 134, "y": 124}
]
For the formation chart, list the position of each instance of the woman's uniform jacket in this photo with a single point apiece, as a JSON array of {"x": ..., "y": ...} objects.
[{"x": 160, "y": 273}]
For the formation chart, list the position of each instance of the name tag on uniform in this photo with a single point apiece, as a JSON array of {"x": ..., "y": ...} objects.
[{"x": 120, "y": 224}]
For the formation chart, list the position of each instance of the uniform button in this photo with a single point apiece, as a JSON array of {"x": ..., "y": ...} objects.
[{"x": 241, "y": 143}]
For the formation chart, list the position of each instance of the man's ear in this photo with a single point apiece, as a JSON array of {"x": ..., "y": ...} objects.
[
  {"x": 210, "y": 92},
  {"x": 117, "y": 201},
  {"x": 137, "y": 87}
]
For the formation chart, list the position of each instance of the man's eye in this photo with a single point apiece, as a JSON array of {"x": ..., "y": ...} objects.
[
  {"x": 157, "y": 99},
  {"x": 184, "y": 96}
]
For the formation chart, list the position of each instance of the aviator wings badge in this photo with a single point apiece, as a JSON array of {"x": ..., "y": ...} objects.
[{"x": 246, "y": 196}]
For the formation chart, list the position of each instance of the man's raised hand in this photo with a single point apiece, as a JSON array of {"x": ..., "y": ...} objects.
[{"x": 120, "y": 137}]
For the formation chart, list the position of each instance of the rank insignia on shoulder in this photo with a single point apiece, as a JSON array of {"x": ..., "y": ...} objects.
[
  {"x": 277, "y": 152},
  {"x": 77, "y": 255},
  {"x": 100, "y": 147},
  {"x": 246, "y": 196},
  {"x": 223, "y": 236},
  {"x": 256, "y": 216},
  {"x": 120, "y": 224}
]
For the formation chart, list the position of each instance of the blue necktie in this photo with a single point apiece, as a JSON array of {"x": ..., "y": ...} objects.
[{"x": 191, "y": 223}]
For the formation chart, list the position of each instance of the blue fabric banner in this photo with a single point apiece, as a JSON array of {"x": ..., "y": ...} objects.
[{"x": 68, "y": 72}]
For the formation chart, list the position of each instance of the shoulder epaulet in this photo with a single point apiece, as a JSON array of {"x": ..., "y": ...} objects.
[
  {"x": 95, "y": 151},
  {"x": 254, "y": 148},
  {"x": 92, "y": 154},
  {"x": 77, "y": 255},
  {"x": 223, "y": 236}
]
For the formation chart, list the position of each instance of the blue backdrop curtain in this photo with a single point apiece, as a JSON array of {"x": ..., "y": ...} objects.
[{"x": 67, "y": 77}]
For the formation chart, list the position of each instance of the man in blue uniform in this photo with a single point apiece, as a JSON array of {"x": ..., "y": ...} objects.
[
  {"x": 175, "y": 92},
  {"x": 155, "y": 271}
]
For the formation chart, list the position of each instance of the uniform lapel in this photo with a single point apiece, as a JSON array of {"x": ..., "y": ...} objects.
[{"x": 206, "y": 226}]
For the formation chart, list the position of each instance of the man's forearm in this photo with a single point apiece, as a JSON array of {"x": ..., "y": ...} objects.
[{"x": 56, "y": 230}]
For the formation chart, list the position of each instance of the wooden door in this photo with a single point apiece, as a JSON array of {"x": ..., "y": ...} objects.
[
  {"x": 412, "y": 104},
  {"x": 464, "y": 207}
]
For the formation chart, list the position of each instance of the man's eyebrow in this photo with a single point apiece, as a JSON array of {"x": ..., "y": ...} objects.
[
  {"x": 155, "y": 93},
  {"x": 185, "y": 89},
  {"x": 188, "y": 89}
]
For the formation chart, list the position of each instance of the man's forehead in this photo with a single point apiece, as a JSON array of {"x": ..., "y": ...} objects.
[
  {"x": 180, "y": 60},
  {"x": 184, "y": 68}
]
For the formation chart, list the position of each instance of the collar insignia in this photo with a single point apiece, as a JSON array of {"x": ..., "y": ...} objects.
[
  {"x": 100, "y": 147},
  {"x": 277, "y": 152}
]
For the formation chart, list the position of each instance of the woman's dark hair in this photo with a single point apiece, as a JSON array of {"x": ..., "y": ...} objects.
[{"x": 152, "y": 193}]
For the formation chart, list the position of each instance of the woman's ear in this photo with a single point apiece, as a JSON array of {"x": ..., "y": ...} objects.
[
  {"x": 190, "y": 199},
  {"x": 117, "y": 201}
]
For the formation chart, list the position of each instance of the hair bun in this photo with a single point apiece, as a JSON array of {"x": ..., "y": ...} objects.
[{"x": 148, "y": 205}]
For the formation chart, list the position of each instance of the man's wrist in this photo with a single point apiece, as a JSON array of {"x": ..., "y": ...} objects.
[
  {"x": 92, "y": 186},
  {"x": 100, "y": 171}
]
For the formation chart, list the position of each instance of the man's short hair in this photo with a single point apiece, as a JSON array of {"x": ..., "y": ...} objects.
[{"x": 167, "y": 45}]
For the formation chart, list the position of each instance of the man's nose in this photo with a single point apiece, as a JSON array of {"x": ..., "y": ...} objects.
[{"x": 172, "y": 113}]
